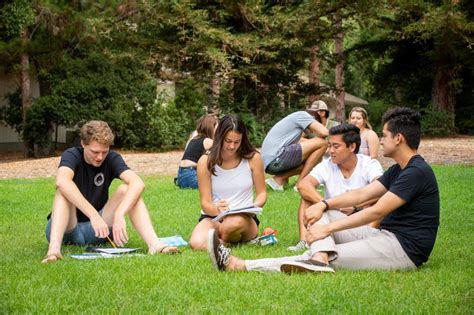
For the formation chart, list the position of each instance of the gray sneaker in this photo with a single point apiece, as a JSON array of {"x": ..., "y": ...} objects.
[
  {"x": 218, "y": 253},
  {"x": 305, "y": 266},
  {"x": 301, "y": 245}
]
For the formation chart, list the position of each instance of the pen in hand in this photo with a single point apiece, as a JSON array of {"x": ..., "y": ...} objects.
[{"x": 111, "y": 242}]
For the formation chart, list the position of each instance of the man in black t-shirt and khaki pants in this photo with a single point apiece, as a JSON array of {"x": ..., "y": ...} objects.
[
  {"x": 82, "y": 211},
  {"x": 408, "y": 203}
]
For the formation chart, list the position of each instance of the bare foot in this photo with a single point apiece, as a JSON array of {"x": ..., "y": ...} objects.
[
  {"x": 162, "y": 248},
  {"x": 52, "y": 258}
]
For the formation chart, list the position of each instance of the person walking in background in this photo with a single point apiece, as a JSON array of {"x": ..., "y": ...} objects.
[
  {"x": 83, "y": 213},
  {"x": 195, "y": 148},
  {"x": 369, "y": 140},
  {"x": 228, "y": 177},
  {"x": 286, "y": 152}
]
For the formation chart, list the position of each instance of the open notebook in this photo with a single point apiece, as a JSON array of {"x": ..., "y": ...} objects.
[{"x": 248, "y": 210}]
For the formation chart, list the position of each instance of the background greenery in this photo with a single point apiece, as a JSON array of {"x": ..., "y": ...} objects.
[
  {"x": 104, "y": 60},
  {"x": 187, "y": 283}
]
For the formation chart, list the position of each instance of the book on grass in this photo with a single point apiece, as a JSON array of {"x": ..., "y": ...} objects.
[
  {"x": 247, "y": 210},
  {"x": 89, "y": 256},
  {"x": 111, "y": 251}
]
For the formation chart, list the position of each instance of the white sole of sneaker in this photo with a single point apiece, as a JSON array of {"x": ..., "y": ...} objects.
[
  {"x": 299, "y": 267},
  {"x": 210, "y": 248}
]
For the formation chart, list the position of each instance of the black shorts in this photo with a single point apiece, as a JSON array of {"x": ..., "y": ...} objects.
[
  {"x": 290, "y": 158},
  {"x": 204, "y": 216}
]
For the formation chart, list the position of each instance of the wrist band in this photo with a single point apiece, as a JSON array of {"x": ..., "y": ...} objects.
[{"x": 326, "y": 203}]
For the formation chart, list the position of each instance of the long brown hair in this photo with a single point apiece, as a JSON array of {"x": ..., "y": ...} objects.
[
  {"x": 226, "y": 124},
  {"x": 205, "y": 126}
]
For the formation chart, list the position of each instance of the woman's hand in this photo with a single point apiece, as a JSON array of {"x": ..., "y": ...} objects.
[{"x": 222, "y": 205}]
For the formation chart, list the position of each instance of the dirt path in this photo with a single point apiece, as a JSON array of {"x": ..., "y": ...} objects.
[{"x": 459, "y": 150}]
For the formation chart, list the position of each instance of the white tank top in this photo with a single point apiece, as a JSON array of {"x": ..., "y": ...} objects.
[{"x": 234, "y": 185}]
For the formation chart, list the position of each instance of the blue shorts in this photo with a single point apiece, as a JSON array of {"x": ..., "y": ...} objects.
[
  {"x": 187, "y": 177},
  {"x": 82, "y": 234},
  {"x": 289, "y": 158}
]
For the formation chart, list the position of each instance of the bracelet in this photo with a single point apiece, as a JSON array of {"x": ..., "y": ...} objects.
[{"x": 326, "y": 203}]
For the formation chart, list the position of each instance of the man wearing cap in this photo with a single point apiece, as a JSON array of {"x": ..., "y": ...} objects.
[
  {"x": 286, "y": 153},
  {"x": 321, "y": 108}
]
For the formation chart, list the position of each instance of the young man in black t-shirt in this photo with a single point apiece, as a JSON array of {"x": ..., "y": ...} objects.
[
  {"x": 82, "y": 211},
  {"x": 408, "y": 203}
]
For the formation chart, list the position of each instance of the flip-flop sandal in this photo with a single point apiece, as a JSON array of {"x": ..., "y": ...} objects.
[
  {"x": 169, "y": 250},
  {"x": 52, "y": 258}
]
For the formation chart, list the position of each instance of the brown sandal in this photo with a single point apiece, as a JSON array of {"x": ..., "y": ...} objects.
[
  {"x": 169, "y": 250},
  {"x": 165, "y": 250},
  {"x": 52, "y": 258}
]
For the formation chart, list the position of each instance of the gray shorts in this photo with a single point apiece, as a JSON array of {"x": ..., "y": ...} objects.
[
  {"x": 82, "y": 234},
  {"x": 291, "y": 157}
]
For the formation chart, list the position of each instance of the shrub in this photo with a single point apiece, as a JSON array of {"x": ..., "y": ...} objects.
[{"x": 437, "y": 123}]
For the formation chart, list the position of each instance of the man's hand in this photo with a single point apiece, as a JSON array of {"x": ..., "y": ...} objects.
[
  {"x": 100, "y": 227},
  {"x": 317, "y": 232},
  {"x": 314, "y": 213},
  {"x": 119, "y": 230}
]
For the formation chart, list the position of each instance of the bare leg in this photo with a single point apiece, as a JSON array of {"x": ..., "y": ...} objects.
[
  {"x": 198, "y": 239},
  {"x": 282, "y": 178},
  {"x": 63, "y": 218},
  {"x": 312, "y": 151},
  {"x": 140, "y": 220},
  {"x": 238, "y": 228}
]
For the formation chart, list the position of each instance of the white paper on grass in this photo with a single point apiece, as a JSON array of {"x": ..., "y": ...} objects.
[
  {"x": 248, "y": 210},
  {"x": 112, "y": 251},
  {"x": 88, "y": 256}
]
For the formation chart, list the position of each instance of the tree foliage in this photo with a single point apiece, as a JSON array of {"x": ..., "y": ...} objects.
[{"x": 103, "y": 60}]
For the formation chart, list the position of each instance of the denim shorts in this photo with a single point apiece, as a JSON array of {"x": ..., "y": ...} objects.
[
  {"x": 291, "y": 157},
  {"x": 82, "y": 234},
  {"x": 187, "y": 177}
]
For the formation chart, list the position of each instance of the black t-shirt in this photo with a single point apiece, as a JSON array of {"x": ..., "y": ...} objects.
[
  {"x": 194, "y": 150},
  {"x": 415, "y": 224},
  {"x": 93, "y": 182}
]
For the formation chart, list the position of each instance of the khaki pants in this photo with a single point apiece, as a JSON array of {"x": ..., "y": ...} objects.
[{"x": 358, "y": 249}]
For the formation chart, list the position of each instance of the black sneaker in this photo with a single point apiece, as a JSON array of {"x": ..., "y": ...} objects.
[
  {"x": 218, "y": 253},
  {"x": 305, "y": 266}
]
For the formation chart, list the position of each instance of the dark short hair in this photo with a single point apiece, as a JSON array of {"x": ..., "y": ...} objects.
[
  {"x": 350, "y": 134},
  {"x": 405, "y": 121},
  {"x": 226, "y": 124}
]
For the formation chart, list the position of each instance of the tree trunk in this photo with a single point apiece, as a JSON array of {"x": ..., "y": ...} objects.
[
  {"x": 314, "y": 74},
  {"x": 214, "y": 87},
  {"x": 25, "y": 90},
  {"x": 443, "y": 93},
  {"x": 339, "y": 44}
]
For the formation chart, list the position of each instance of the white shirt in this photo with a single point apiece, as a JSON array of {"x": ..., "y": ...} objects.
[
  {"x": 329, "y": 174},
  {"x": 234, "y": 185}
]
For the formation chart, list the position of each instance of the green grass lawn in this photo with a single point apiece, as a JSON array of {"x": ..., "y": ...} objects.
[{"x": 187, "y": 283}]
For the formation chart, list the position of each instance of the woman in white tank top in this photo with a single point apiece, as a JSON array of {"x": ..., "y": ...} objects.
[
  {"x": 369, "y": 141},
  {"x": 227, "y": 178}
]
